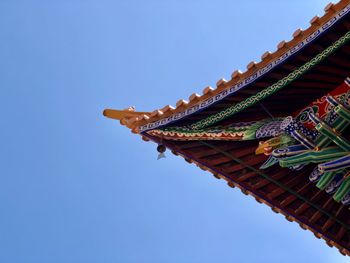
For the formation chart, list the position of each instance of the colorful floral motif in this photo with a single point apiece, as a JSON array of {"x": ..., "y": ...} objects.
[{"x": 322, "y": 107}]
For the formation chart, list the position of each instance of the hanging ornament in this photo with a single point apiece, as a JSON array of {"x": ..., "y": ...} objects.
[{"x": 161, "y": 149}]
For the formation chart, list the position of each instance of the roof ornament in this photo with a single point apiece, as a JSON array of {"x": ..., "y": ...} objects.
[
  {"x": 126, "y": 115},
  {"x": 161, "y": 149}
]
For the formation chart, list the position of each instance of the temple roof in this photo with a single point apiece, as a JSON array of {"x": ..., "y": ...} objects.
[
  {"x": 255, "y": 70},
  {"x": 300, "y": 71}
]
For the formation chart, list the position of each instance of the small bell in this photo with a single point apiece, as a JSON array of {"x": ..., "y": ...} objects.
[{"x": 161, "y": 149}]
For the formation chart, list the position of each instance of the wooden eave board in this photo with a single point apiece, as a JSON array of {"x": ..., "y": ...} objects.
[{"x": 319, "y": 213}]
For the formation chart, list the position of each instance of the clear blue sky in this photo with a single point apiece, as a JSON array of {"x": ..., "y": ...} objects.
[{"x": 77, "y": 187}]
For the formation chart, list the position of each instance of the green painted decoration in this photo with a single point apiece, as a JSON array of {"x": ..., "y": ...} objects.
[
  {"x": 312, "y": 156},
  {"x": 343, "y": 190}
]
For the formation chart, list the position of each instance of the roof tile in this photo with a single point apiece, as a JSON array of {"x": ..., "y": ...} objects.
[
  {"x": 207, "y": 90},
  {"x": 221, "y": 82}
]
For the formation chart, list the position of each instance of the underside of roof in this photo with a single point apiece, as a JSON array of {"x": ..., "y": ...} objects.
[{"x": 304, "y": 70}]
